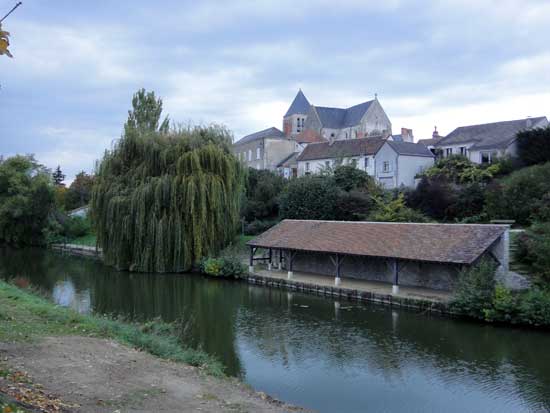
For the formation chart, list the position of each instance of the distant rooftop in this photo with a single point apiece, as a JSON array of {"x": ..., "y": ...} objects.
[
  {"x": 492, "y": 135},
  {"x": 266, "y": 133},
  {"x": 337, "y": 118},
  {"x": 409, "y": 148},
  {"x": 341, "y": 149}
]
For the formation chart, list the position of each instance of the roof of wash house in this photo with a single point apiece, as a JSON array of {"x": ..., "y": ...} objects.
[
  {"x": 445, "y": 243},
  {"x": 299, "y": 106},
  {"x": 341, "y": 149},
  {"x": 410, "y": 149},
  {"x": 266, "y": 133},
  {"x": 337, "y": 118},
  {"x": 491, "y": 135}
]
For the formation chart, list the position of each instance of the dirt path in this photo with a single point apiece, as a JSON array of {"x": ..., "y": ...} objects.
[{"x": 103, "y": 376}]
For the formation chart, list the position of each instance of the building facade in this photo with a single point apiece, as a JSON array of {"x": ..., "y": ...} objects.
[{"x": 486, "y": 142}]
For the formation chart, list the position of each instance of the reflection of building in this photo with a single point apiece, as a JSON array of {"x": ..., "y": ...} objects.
[
  {"x": 65, "y": 294},
  {"x": 484, "y": 143}
]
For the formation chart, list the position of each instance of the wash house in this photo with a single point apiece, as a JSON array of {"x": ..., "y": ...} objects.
[{"x": 408, "y": 254}]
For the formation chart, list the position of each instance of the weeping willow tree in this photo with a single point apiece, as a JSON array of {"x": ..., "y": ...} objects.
[{"x": 165, "y": 198}]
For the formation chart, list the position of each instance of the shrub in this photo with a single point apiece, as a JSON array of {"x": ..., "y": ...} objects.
[
  {"x": 533, "y": 249},
  {"x": 262, "y": 192},
  {"x": 475, "y": 289},
  {"x": 77, "y": 227},
  {"x": 228, "y": 267},
  {"x": 520, "y": 195},
  {"x": 534, "y": 146},
  {"x": 534, "y": 308},
  {"x": 257, "y": 227},
  {"x": 395, "y": 211}
]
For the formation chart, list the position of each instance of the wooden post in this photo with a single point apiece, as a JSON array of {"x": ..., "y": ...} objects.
[
  {"x": 251, "y": 260},
  {"x": 395, "y": 287},
  {"x": 270, "y": 258},
  {"x": 280, "y": 259},
  {"x": 290, "y": 262}
]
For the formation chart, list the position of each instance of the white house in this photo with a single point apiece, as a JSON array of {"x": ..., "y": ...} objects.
[
  {"x": 391, "y": 163},
  {"x": 486, "y": 142}
]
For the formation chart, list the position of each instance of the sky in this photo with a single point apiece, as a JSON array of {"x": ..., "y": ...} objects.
[{"x": 65, "y": 96}]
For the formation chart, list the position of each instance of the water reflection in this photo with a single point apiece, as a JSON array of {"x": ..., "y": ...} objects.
[{"x": 328, "y": 355}]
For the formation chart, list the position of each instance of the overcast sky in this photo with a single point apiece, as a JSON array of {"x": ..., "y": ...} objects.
[{"x": 65, "y": 95}]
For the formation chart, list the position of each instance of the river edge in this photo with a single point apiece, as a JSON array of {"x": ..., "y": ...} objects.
[{"x": 59, "y": 358}]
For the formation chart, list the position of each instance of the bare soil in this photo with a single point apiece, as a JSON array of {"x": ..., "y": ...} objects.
[{"x": 99, "y": 375}]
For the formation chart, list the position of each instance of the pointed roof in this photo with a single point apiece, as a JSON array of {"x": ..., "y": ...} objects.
[
  {"x": 299, "y": 106},
  {"x": 337, "y": 118}
]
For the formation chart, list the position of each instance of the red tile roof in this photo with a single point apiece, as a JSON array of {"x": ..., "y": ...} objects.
[
  {"x": 446, "y": 243},
  {"x": 341, "y": 148}
]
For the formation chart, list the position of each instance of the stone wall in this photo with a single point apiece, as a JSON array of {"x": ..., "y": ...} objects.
[{"x": 411, "y": 273}]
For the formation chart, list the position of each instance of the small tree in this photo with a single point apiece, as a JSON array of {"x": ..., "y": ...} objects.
[
  {"x": 534, "y": 146},
  {"x": 58, "y": 176},
  {"x": 80, "y": 191}
]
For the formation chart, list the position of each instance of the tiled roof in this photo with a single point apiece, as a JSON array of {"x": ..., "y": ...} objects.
[
  {"x": 299, "y": 106},
  {"x": 266, "y": 133},
  {"x": 336, "y": 118},
  {"x": 409, "y": 148},
  {"x": 446, "y": 243},
  {"x": 491, "y": 135},
  {"x": 341, "y": 149}
]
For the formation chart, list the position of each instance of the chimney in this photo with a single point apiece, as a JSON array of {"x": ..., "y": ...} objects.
[
  {"x": 435, "y": 134},
  {"x": 407, "y": 135}
]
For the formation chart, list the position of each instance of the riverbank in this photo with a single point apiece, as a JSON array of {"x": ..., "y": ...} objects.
[{"x": 57, "y": 357}]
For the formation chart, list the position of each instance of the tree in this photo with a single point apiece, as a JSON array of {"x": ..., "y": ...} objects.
[
  {"x": 58, "y": 176},
  {"x": 26, "y": 200},
  {"x": 310, "y": 197},
  {"x": 395, "y": 211},
  {"x": 80, "y": 191},
  {"x": 164, "y": 199},
  {"x": 262, "y": 191},
  {"x": 534, "y": 146},
  {"x": 145, "y": 114}
]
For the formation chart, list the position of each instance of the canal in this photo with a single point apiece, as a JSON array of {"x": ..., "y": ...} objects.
[{"x": 331, "y": 356}]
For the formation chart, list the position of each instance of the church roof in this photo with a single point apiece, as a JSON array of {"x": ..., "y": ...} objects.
[
  {"x": 299, "y": 106},
  {"x": 337, "y": 118}
]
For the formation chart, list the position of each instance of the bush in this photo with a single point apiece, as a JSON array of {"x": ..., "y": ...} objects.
[
  {"x": 475, "y": 289},
  {"x": 262, "y": 192},
  {"x": 228, "y": 267},
  {"x": 534, "y": 146},
  {"x": 395, "y": 211},
  {"x": 257, "y": 227},
  {"x": 533, "y": 249},
  {"x": 77, "y": 227},
  {"x": 519, "y": 196}
]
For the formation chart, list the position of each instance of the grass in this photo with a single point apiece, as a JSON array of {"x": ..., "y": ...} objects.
[
  {"x": 88, "y": 240},
  {"x": 26, "y": 316}
]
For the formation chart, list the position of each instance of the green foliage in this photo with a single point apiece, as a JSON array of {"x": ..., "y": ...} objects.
[
  {"x": 163, "y": 200},
  {"x": 257, "y": 227},
  {"x": 58, "y": 176},
  {"x": 520, "y": 195},
  {"x": 533, "y": 249},
  {"x": 26, "y": 200},
  {"x": 80, "y": 191},
  {"x": 478, "y": 296},
  {"x": 395, "y": 210},
  {"x": 262, "y": 191},
  {"x": 227, "y": 267},
  {"x": 534, "y": 146},
  {"x": 310, "y": 197},
  {"x": 348, "y": 178},
  {"x": 459, "y": 170},
  {"x": 475, "y": 289},
  {"x": 77, "y": 227},
  {"x": 145, "y": 114},
  {"x": 29, "y": 316}
]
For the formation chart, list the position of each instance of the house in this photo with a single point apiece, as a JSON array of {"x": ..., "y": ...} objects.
[
  {"x": 391, "y": 163},
  {"x": 264, "y": 149},
  {"x": 484, "y": 143},
  {"x": 367, "y": 119},
  {"x": 407, "y": 254},
  {"x": 433, "y": 142}
]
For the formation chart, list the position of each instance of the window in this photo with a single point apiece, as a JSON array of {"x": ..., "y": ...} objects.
[
  {"x": 258, "y": 153},
  {"x": 463, "y": 150},
  {"x": 366, "y": 162},
  {"x": 249, "y": 155},
  {"x": 327, "y": 164},
  {"x": 332, "y": 135},
  {"x": 244, "y": 156},
  {"x": 448, "y": 151},
  {"x": 307, "y": 166},
  {"x": 346, "y": 135},
  {"x": 386, "y": 166},
  {"x": 488, "y": 157}
]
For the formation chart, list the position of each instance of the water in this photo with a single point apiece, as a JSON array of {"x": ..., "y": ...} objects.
[{"x": 314, "y": 352}]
